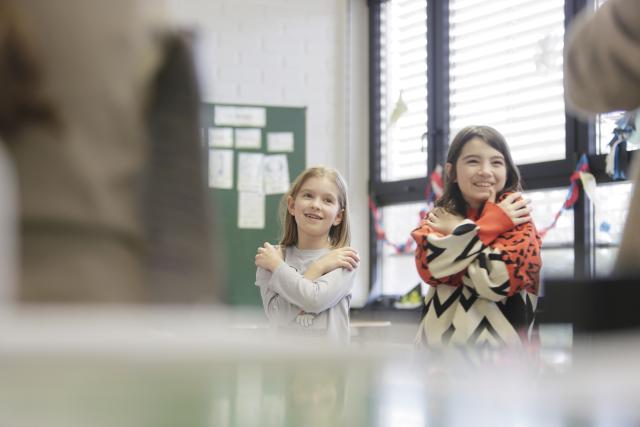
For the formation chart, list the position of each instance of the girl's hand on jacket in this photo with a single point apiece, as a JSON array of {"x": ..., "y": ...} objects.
[
  {"x": 442, "y": 221},
  {"x": 269, "y": 257},
  {"x": 345, "y": 257},
  {"x": 516, "y": 207},
  {"x": 305, "y": 319}
]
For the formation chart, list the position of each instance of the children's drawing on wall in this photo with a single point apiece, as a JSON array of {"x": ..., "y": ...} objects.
[
  {"x": 249, "y": 138},
  {"x": 281, "y": 142},
  {"x": 276, "y": 174},
  {"x": 250, "y": 176},
  {"x": 220, "y": 137},
  {"x": 251, "y": 209},
  {"x": 221, "y": 169}
]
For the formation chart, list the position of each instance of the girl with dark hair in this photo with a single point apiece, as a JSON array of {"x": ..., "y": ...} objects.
[{"x": 478, "y": 249}]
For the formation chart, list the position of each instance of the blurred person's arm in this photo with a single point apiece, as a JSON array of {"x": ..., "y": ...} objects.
[
  {"x": 627, "y": 261},
  {"x": 602, "y": 73},
  {"x": 602, "y": 59}
]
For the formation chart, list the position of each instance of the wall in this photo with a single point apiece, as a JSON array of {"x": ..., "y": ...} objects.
[{"x": 309, "y": 53}]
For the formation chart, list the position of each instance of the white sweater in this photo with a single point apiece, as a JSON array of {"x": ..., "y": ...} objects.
[{"x": 285, "y": 293}]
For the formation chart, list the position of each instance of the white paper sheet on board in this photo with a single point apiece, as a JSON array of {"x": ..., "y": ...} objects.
[
  {"x": 248, "y": 138},
  {"x": 250, "y": 172},
  {"x": 240, "y": 116},
  {"x": 276, "y": 174},
  {"x": 280, "y": 142},
  {"x": 251, "y": 209},
  {"x": 221, "y": 168},
  {"x": 221, "y": 137}
]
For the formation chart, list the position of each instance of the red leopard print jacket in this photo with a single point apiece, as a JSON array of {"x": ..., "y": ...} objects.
[{"x": 483, "y": 280}]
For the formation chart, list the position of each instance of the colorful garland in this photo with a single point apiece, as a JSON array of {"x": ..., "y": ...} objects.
[
  {"x": 580, "y": 173},
  {"x": 433, "y": 191}
]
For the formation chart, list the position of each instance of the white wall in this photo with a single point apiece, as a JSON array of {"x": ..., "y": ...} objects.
[{"x": 309, "y": 53}]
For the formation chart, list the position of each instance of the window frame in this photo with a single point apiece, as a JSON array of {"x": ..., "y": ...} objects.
[{"x": 579, "y": 138}]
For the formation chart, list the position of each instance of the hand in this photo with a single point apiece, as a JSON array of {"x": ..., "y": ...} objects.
[
  {"x": 492, "y": 195},
  {"x": 345, "y": 257},
  {"x": 443, "y": 221},
  {"x": 305, "y": 319},
  {"x": 516, "y": 208},
  {"x": 269, "y": 257}
]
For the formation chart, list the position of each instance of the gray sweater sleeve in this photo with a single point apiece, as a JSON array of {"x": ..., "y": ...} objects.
[
  {"x": 602, "y": 59},
  {"x": 276, "y": 308},
  {"x": 311, "y": 296}
]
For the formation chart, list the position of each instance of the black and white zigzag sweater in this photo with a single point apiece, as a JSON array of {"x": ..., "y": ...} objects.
[{"x": 483, "y": 281}]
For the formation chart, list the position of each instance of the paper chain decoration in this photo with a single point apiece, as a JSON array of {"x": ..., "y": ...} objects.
[
  {"x": 581, "y": 173},
  {"x": 434, "y": 190}
]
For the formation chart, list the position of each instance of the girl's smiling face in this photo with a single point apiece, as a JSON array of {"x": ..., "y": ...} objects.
[
  {"x": 480, "y": 171},
  {"x": 316, "y": 208}
]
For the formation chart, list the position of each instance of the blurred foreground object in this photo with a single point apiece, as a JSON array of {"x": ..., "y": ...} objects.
[
  {"x": 604, "y": 305},
  {"x": 109, "y": 190},
  {"x": 602, "y": 73},
  {"x": 156, "y": 368},
  {"x": 604, "y": 43},
  {"x": 8, "y": 228}
]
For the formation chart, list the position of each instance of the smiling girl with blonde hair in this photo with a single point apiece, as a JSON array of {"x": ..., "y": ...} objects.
[{"x": 306, "y": 281}]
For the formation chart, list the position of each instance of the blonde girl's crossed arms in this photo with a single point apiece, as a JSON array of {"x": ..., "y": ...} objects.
[{"x": 306, "y": 281}]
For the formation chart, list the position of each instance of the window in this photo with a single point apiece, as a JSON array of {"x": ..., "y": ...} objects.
[
  {"x": 605, "y": 124},
  {"x": 611, "y": 207},
  {"x": 399, "y": 272},
  {"x": 403, "y": 90},
  {"x": 557, "y": 244},
  {"x": 506, "y": 72},
  {"x": 497, "y": 63}
]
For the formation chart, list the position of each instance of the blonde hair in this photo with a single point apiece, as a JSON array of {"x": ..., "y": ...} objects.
[{"x": 339, "y": 235}]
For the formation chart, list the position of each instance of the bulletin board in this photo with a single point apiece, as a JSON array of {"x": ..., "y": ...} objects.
[{"x": 239, "y": 140}]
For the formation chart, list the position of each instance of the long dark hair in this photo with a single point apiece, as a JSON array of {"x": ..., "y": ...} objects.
[{"x": 452, "y": 199}]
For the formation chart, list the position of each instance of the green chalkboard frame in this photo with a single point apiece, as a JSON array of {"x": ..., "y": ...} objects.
[{"x": 236, "y": 248}]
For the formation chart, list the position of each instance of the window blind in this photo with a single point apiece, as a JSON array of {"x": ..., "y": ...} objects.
[
  {"x": 404, "y": 91},
  {"x": 506, "y": 72}
]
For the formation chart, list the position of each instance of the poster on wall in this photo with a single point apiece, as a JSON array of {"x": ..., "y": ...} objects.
[
  {"x": 240, "y": 116},
  {"x": 249, "y": 138},
  {"x": 221, "y": 137},
  {"x": 280, "y": 142},
  {"x": 221, "y": 169},
  {"x": 250, "y": 176},
  {"x": 251, "y": 209},
  {"x": 276, "y": 174}
]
